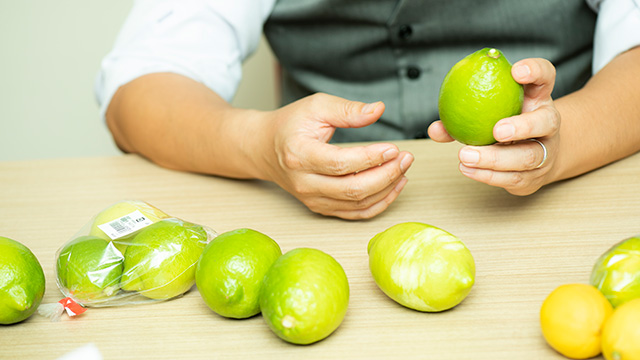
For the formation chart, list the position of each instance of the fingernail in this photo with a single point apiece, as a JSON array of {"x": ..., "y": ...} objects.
[
  {"x": 521, "y": 71},
  {"x": 401, "y": 184},
  {"x": 505, "y": 131},
  {"x": 389, "y": 154},
  {"x": 469, "y": 156},
  {"x": 370, "y": 108},
  {"x": 406, "y": 162}
]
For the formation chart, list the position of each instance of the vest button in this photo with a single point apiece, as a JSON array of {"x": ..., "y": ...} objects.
[
  {"x": 413, "y": 72},
  {"x": 405, "y": 32}
]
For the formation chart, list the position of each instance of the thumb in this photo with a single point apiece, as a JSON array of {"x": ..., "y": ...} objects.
[
  {"x": 343, "y": 113},
  {"x": 538, "y": 77}
]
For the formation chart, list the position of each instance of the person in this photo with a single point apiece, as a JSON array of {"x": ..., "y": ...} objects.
[{"x": 365, "y": 70}]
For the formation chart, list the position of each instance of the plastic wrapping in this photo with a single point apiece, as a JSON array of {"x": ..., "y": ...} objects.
[
  {"x": 616, "y": 273},
  {"x": 129, "y": 253}
]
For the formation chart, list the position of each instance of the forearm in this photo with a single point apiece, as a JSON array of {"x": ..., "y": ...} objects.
[
  {"x": 179, "y": 123},
  {"x": 601, "y": 122}
]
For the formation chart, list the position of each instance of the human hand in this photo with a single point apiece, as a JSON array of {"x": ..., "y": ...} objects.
[
  {"x": 351, "y": 183},
  {"x": 514, "y": 163}
]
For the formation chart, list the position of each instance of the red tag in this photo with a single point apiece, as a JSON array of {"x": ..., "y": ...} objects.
[{"x": 72, "y": 307}]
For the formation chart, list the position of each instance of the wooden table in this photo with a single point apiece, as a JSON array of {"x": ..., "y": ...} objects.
[{"x": 524, "y": 247}]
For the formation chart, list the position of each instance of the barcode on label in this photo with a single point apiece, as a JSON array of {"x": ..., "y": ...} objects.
[{"x": 125, "y": 225}]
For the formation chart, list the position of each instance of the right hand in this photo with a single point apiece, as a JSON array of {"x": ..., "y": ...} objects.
[{"x": 351, "y": 183}]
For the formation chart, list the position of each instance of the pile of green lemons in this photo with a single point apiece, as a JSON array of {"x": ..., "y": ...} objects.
[{"x": 303, "y": 295}]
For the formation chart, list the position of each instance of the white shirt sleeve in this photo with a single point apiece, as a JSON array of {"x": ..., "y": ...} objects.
[
  {"x": 617, "y": 29},
  {"x": 206, "y": 40}
]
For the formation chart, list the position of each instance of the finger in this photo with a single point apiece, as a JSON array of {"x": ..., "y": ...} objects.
[
  {"x": 438, "y": 133},
  {"x": 515, "y": 182},
  {"x": 544, "y": 121},
  {"x": 371, "y": 211},
  {"x": 331, "y": 204},
  {"x": 538, "y": 77},
  {"x": 328, "y": 159},
  {"x": 359, "y": 186},
  {"x": 522, "y": 156}
]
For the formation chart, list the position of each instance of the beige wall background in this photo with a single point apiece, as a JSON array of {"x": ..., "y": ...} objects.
[{"x": 49, "y": 55}]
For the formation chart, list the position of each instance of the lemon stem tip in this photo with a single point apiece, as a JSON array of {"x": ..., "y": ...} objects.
[{"x": 493, "y": 53}]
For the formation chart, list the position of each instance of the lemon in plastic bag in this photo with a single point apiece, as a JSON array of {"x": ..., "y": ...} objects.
[
  {"x": 616, "y": 273},
  {"x": 160, "y": 261},
  {"x": 116, "y": 217},
  {"x": 89, "y": 268}
]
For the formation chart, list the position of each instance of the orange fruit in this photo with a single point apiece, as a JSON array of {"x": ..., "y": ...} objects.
[
  {"x": 621, "y": 333},
  {"x": 571, "y": 319},
  {"x": 22, "y": 282},
  {"x": 475, "y": 94}
]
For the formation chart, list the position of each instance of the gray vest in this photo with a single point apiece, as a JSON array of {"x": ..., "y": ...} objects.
[{"x": 398, "y": 51}]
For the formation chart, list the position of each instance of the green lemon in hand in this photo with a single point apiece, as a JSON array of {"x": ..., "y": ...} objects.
[
  {"x": 475, "y": 94},
  {"x": 231, "y": 269},
  {"x": 88, "y": 269},
  {"x": 160, "y": 261},
  {"x": 22, "y": 282},
  {"x": 616, "y": 273},
  {"x": 421, "y": 266},
  {"x": 304, "y": 296}
]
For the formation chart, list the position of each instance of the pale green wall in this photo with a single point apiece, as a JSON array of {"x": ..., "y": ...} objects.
[{"x": 49, "y": 56}]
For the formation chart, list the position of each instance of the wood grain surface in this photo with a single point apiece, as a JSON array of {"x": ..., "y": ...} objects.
[{"x": 524, "y": 247}]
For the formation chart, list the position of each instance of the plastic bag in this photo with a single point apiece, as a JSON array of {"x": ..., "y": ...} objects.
[
  {"x": 129, "y": 253},
  {"x": 616, "y": 273}
]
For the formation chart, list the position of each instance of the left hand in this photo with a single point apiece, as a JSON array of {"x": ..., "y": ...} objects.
[{"x": 513, "y": 162}]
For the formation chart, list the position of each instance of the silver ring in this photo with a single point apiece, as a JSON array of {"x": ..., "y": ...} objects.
[{"x": 544, "y": 155}]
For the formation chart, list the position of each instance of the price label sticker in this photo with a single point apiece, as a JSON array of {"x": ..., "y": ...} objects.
[{"x": 125, "y": 225}]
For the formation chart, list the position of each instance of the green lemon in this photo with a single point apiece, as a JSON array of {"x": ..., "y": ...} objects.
[
  {"x": 421, "y": 266},
  {"x": 304, "y": 296},
  {"x": 160, "y": 261},
  {"x": 88, "y": 269},
  {"x": 475, "y": 94},
  {"x": 22, "y": 282},
  {"x": 120, "y": 210},
  {"x": 231, "y": 269},
  {"x": 616, "y": 273}
]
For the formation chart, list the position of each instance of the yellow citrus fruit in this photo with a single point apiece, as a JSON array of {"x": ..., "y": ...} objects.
[
  {"x": 621, "y": 333},
  {"x": 571, "y": 319},
  {"x": 160, "y": 261},
  {"x": 421, "y": 266},
  {"x": 22, "y": 282},
  {"x": 616, "y": 273},
  {"x": 119, "y": 210},
  {"x": 88, "y": 269},
  {"x": 304, "y": 296},
  {"x": 475, "y": 94},
  {"x": 231, "y": 269}
]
